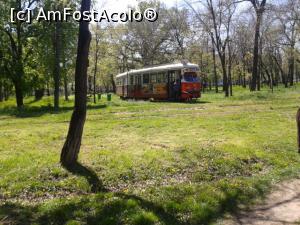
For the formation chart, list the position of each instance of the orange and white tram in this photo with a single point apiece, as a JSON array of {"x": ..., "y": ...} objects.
[{"x": 177, "y": 81}]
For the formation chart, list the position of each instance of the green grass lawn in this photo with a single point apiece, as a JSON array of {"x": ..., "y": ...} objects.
[{"x": 159, "y": 162}]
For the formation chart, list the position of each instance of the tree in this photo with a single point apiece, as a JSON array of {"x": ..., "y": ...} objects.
[
  {"x": 147, "y": 43},
  {"x": 215, "y": 66},
  {"x": 216, "y": 20},
  {"x": 17, "y": 35},
  {"x": 57, "y": 62},
  {"x": 96, "y": 57},
  {"x": 288, "y": 15},
  {"x": 71, "y": 148},
  {"x": 242, "y": 36},
  {"x": 259, "y": 7},
  {"x": 179, "y": 29}
]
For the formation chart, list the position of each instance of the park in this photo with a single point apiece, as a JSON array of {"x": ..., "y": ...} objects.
[
  {"x": 156, "y": 161},
  {"x": 189, "y": 119}
]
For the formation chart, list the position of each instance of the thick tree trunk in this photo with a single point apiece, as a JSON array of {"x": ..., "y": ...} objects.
[
  {"x": 48, "y": 89},
  {"x": 225, "y": 78},
  {"x": 39, "y": 94},
  {"x": 70, "y": 151},
  {"x": 253, "y": 84},
  {"x": 298, "y": 128},
  {"x": 56, "y": 75},
  {"x": 19, "y": 88},
  {"x": 284, "y": 78}
]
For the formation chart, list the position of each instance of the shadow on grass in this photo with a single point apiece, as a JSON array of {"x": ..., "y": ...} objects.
[
  {"x": 37, "y": 111},
  {"x": 106, "y": 207},
  {"x": 92, "y": 209},
  {"x": 120, "y": 209},
  {"x": 90, "y": 175}
]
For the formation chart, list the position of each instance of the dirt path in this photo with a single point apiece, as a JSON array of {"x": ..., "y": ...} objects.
[{"x": 282, "y": 206}]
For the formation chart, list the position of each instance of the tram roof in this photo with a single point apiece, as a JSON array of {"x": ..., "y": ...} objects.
[{"x": 166, "y": 67}]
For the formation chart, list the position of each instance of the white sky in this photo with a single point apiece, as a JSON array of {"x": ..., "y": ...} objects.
[{"x": 122, "y": 5}]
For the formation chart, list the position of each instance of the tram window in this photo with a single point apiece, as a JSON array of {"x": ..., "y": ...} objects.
[
  {"x": 145, "y": 78},
  {"x": 158, "y": 78},
  {"x": 178, "y": 74},
  {"x": 165, "y": 78},
  {"x": 161, "y": 78},
  {"x": 137, "y": 79},
  {"x": 172, "y": 76},
  {"x": 131, "y": 81},
  {"x": 191, "y": 77},
  {"x": 153, "y": 78}
]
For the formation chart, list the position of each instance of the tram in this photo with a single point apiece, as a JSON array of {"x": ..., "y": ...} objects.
[{"x": 177, "y": 81}]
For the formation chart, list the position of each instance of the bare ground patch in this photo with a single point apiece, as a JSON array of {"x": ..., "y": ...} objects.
[{"x": 281, "y": 207}]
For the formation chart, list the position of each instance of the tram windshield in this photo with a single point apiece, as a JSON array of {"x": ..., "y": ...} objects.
[{"x": 191, "y": 77}]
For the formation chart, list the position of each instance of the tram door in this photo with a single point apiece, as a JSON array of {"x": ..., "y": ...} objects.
[{"x": 171, "y": 81}]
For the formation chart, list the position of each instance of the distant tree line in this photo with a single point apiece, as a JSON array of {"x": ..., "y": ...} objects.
[{"x": 250, "y": 43}]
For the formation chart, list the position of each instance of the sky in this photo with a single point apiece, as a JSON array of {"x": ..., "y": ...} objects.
[{"x": 122, "y": 5}]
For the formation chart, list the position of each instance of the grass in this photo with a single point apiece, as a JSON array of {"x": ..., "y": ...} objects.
[{"x": 160, "y": 162}]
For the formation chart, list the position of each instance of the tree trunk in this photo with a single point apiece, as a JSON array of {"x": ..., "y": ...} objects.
[
  {"x": 66, "y": 89},
  {"x": 292, "y": 67},
  {"x": 1, "y": 91},
  {"x": 244, "y": 75},
  {"x": 6, "y": 91},
  {"x": 70, "y": 151},
  {"x": 225, "y": 78},
  {"x": 230, "y": 79},
  {"x": 19, "y": 91},
  {"x": 215, "y": 67},
  {"x": 48, "y": 88},
  {"x": 230, "y": 70},
  {"x": 95, "y": 100},
  {"x": 113, "y": 83},
  {"x": 298, "y": 128},
  {"x": 39, "y": 94},
  {"x": 256, "y": 52},
  {"x": 57, "y": 41},
  {"x": 272, "y": 82},
  {"x": 96, "y": 67},
  {"x": 284, "y": 79},
  {"x": 18, "y": 78},
  {"x": 260, "y": 71}
]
